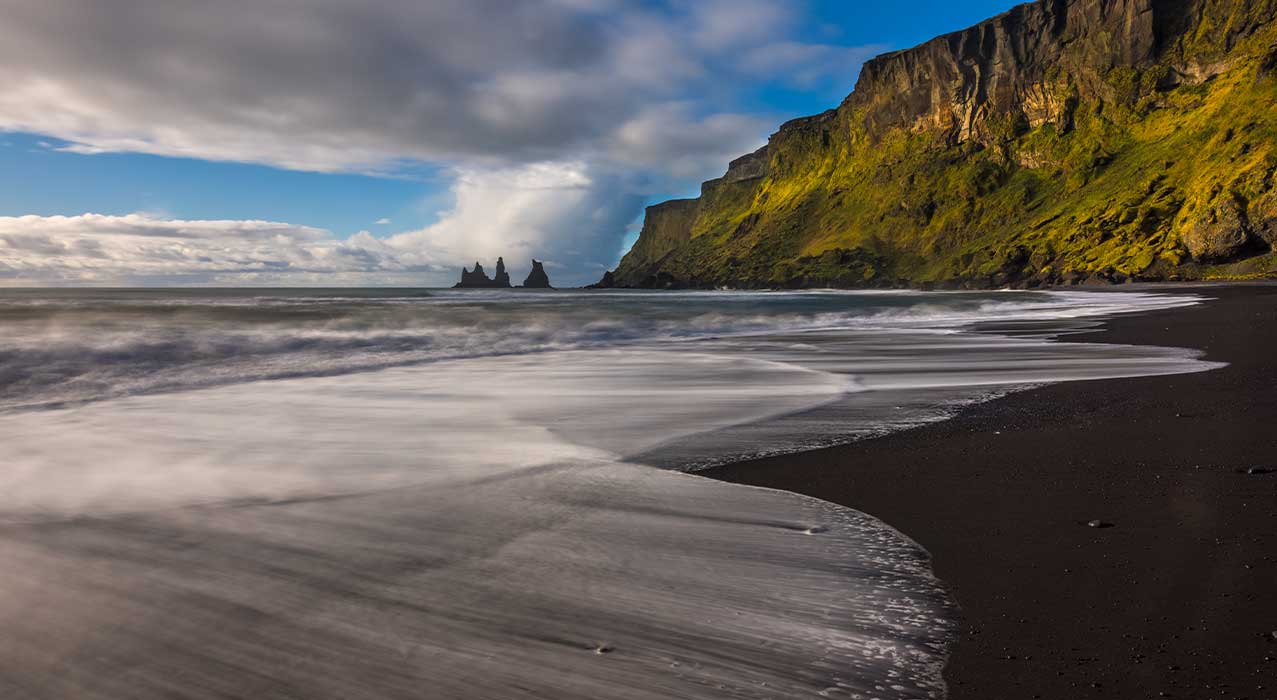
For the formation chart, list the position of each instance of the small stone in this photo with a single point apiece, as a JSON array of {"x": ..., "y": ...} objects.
[
  {"x": 603, "y": 649},
  {"x": 1257, "y": 471},
  {"x": 1099, "y": 524}
]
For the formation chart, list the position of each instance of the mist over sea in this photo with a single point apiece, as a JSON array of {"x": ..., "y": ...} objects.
[{"x": 484, "y": 494}]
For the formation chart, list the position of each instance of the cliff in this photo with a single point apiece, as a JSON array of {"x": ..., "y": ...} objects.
[{"x": 1063, "y": 141}]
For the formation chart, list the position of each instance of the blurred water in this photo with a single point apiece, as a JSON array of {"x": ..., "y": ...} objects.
[{"x": 337, "y": 494}]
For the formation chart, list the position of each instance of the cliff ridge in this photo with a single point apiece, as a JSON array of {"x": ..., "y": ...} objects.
[{"x": 1063, "y": 141}]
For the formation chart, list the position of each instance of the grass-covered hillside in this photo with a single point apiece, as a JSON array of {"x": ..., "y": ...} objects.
[{"x": 1062, "y": 142}]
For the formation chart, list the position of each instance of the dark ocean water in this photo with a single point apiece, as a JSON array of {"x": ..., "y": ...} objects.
[{"x": 436, "y": 493}]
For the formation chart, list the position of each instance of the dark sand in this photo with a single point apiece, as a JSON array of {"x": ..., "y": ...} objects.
[{"x": 1177, "y": 599}]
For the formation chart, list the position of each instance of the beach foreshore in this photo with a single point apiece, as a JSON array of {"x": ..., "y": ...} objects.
[{"x": 1111, "y": 538}]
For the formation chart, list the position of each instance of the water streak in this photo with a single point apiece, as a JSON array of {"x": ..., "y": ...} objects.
[{"x": 383, "y": 495}]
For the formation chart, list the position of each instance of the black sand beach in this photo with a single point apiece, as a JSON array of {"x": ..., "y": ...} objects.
[{"x": 1173, "y": 596}]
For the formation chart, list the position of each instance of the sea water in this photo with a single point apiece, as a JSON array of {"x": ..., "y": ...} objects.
[{"x": 484, "y": 494}]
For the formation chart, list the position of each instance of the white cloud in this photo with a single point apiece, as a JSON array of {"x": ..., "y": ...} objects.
[
  {"x": 366, "y": 85},
  {"x": 383, "y": 221},
  {"x": 141, "y": 248},
  {"x": 729, "y": 24},
  {"x": 670, "y": 136},
  {"x": 567, "y": 213},
  {"x": 336, "y": 86},
  {"x": 570, "y": 213},
  {"x": 557, "y": 116}
]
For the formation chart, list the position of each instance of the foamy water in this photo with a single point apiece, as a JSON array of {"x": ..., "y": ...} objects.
[{"x": 383, "y": 495}]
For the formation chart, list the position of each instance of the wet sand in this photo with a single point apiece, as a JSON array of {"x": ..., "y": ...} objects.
[{"x": 1174, "y": 595}]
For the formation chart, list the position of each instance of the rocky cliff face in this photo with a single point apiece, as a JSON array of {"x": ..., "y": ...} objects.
[
  {"x": 666, "y": 227},
  {"x": 1063, "y": 141},
  {"x": 1014, "y": 64}
]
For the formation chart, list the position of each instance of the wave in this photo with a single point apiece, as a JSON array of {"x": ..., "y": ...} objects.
[
  {"x": 471, "y": 519},
  {"x": 72, "y": 348}
]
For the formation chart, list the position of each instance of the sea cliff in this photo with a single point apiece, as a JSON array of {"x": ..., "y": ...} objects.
[{"x": 1062, "y": 142}]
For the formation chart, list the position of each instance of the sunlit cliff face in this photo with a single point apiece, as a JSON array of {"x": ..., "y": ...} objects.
[{"x": 1058, "y": 143}]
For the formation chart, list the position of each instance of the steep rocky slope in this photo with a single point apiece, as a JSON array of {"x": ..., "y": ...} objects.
[{"x": 1061, "y": 142}]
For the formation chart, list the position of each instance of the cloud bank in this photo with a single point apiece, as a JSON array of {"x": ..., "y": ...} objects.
[
  {"x": 550, "y": 102},
  {"x": 517, "y": 212},
  {"x": 98, "y": 249}
]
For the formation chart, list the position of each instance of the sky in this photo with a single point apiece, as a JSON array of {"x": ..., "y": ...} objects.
[{"x": 389, "y": 142}]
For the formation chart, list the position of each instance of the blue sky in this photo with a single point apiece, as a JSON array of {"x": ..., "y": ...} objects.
[{"x": 81, "y": 148}]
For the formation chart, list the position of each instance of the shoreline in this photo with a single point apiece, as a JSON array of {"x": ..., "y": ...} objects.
[{"x": 1175, "y": 597}]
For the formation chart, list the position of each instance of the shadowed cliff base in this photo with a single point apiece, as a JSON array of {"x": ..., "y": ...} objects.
[
  {"x": 1170, "y": 595},
  {"x": 1063, "y": 142}
]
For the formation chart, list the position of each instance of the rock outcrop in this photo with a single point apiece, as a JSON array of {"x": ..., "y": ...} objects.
[
  {"x": 478, "y": 279},
  {"x": 475, "y": 278},
  {"x": 1062, "y": 141},
  {"x": 1220, "y": 233},
  {"x": 960, "y": 84},
  {"x": 537, "y": 278},
  {"x": 502, "y": 278}
]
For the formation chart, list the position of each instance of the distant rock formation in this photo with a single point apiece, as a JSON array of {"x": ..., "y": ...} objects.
[
  {"x": 475, "y": 278},
  {"x": 502, "y": 277},
  {"x": 537, "y": 279},
  {"x": 478, "y": 279}
]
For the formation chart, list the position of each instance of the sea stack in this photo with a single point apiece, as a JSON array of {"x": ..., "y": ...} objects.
[
  {"x": 503, "y": 277},
  {"x": 537, "y": 279},
  {"x": 478, "y": 279},
  {"x": 474, "y": 278}
]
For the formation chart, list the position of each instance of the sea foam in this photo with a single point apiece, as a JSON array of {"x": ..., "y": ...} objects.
[{"x": 471, "y": 513}]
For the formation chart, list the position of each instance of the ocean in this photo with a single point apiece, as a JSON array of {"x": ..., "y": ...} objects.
[{"x": 485, "y": 494}]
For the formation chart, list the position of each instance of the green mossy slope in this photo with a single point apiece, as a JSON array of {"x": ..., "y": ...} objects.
[{"x": 1148, "y": 156}]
